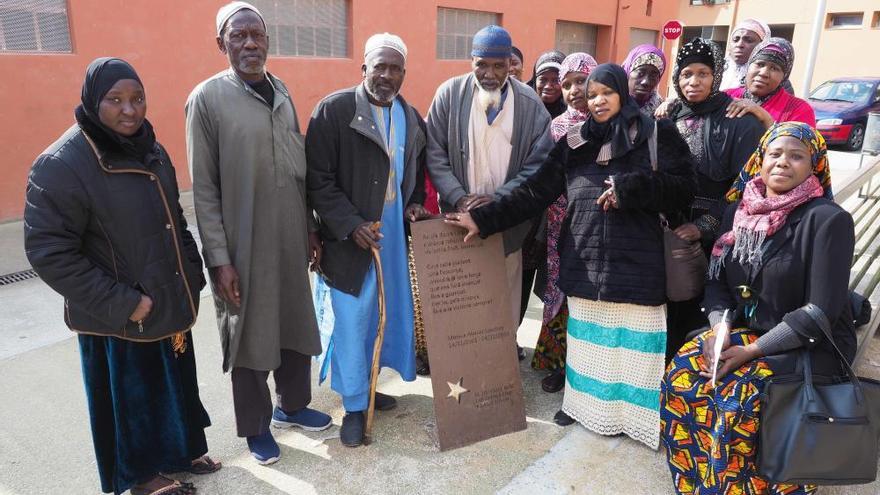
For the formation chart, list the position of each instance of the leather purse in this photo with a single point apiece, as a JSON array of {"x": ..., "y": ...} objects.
[
  {"x": 686, "y": 263},
  {"x": 819, "y": 430}
]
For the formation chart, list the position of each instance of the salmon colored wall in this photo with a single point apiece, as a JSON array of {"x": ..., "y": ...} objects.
[{"x": 171, "y": 44}]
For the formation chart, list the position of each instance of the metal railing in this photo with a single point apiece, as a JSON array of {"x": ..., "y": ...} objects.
[{"x": 860, "y": 195}]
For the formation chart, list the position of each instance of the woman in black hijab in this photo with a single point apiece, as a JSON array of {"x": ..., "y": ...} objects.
[
  {"x": 611, "y": 253},
  {"x": 104, "y": 229},
  {"x": 720, "y": 146},
  {"x": 545, "y": 82}
]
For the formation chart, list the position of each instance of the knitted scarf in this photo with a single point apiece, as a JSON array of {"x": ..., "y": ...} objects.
[{"x": 758, "y": 217}]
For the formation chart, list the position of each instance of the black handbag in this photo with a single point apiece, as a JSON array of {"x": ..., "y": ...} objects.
[
  {"x": 819, "y": 430},
  {"x": 686, "y": 263}
]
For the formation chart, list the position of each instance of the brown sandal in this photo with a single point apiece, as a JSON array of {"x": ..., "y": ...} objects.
[
  {"x": 174, "y": 488},
  {"x": 204, "y": 465}
]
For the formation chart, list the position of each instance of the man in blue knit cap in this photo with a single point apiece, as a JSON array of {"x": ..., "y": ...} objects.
[{"x": 487, "y": 133}]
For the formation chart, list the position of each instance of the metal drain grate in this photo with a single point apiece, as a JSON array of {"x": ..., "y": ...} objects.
[{"x": 17, "y": 277}]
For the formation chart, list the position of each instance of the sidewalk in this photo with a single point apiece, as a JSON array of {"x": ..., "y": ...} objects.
[{"x": 47, "y": 448}]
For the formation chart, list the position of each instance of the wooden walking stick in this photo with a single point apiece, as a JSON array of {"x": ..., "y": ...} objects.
[{"x": 380, "y": 336}]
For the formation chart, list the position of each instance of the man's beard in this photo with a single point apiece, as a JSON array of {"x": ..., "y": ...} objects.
[
  {"x": 379, "y": 94},
  {"x": 489, "y": 98}
]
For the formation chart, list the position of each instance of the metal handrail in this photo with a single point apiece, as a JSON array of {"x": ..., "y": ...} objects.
[
  {"x": 855, "y": 185},
  {"x": 855, "y": 182}
]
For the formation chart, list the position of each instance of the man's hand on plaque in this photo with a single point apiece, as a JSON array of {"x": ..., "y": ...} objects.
[
  {"x": 465, "y": 221},
  {"x": 365, "y": 237},
  {"x": 415, "y": 212},
  {"x": 471, "y": 201}
]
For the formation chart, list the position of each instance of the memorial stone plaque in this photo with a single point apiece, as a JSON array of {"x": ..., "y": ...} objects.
[{"x": 471, "y": 340}]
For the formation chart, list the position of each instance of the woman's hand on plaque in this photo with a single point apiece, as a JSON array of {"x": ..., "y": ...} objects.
[{"x": 465, "y": 221}]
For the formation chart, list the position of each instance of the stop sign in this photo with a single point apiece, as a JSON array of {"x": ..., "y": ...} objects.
[{"x": 672, "y": 30}]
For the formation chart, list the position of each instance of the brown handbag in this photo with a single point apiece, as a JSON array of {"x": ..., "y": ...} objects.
[{"x": 686, "y": 264}]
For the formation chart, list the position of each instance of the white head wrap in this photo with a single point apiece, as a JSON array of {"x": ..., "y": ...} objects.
[
  {"x": 756, "y": 26},
  {"x": 232, "y": 8},
  {"x": 385, "y": 40}
]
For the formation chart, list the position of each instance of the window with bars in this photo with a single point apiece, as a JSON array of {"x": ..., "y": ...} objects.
[
  {"x": 576, "y": 37},
  {"x": 306, "y": 28},
  {"x": 34, "y": 26},
  {"x": 456, "y": 29}
]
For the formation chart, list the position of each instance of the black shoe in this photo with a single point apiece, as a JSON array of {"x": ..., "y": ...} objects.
[
  {"x": 385, "y": 402},
  {"x": 423, "y": 368},
  {"x": 520, "y": 353},
  {"x": 560, "y": 418},
  {"x": 554, "y": 382},
  {"x": 352, "y": 432}
]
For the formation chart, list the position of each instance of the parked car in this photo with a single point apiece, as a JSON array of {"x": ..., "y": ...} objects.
[{"x": 842, "y": 106}]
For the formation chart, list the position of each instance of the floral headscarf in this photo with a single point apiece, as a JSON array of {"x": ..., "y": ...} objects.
[
  {"x": 645, "y": 55},
  {"x": 576, "y": 62},
  {"x": 807, "y": 135}
]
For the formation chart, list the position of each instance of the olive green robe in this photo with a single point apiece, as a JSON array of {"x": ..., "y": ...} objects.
[{"x": 248, "y": 167}]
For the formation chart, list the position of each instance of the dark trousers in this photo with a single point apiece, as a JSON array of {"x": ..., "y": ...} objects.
[
  {"x": 682, "y": 318},
  {"x": 251, "y": 397},
  {"x": 528, "y": 279}
]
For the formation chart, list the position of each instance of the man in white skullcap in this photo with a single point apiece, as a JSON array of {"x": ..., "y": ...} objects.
[
  {"x": 248, "y": 167},
  {"x": 366, "y": 153}
]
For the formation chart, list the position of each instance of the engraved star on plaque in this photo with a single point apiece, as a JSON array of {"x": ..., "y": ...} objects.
[{"x": 455, "y": 390}]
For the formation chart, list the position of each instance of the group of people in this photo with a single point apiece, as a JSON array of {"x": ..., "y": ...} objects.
[{"x": 574, "y": 167}]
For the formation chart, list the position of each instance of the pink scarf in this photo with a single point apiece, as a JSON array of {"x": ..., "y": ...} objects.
[{"x": 757, "y": 218}]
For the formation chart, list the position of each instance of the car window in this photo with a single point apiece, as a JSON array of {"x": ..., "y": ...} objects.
[{"x": 848, "y": 91}]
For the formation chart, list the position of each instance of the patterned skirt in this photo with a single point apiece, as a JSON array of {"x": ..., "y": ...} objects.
[
  {"x": 550, "y": 349},
  {"x": 711, "y": 434},
  {"x": 614, "y": 367}
]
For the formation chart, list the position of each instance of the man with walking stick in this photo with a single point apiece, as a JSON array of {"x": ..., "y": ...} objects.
[{"x": 365, "y": 149}]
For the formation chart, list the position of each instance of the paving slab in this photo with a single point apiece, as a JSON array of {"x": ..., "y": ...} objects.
[{"x": 46, "y": 420}]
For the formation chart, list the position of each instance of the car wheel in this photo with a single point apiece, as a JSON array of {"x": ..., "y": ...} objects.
[{"x": 856, "y": 138}]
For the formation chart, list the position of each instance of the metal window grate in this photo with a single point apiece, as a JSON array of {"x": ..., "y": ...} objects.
[
  {"x": 306, "y": 28},
  {"x": 456, "y": 29},
  {"x": 574, "y": 37},
  {"x": 17, "y": 277},
  {"x": 34, "y": 26}
]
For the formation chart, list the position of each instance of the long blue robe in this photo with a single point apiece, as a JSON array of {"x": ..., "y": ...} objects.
[
  {"x": 144, "y": 407},
  {"x": 354, "y": 319}
]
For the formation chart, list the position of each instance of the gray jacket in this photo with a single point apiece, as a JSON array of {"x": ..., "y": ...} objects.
[{"x": 448, "y": 151}]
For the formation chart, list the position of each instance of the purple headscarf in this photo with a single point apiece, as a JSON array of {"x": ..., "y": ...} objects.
[{"x": 645, "y": 54}]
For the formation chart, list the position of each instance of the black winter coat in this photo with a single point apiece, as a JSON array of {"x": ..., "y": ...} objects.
[
  {"x": 347, "y": 175},
  {"x": 728, "y": 143},
  {"x": 614, "y": 256},
  {"x": 807, "y": 261},
  {"x": 103, "y": 231}
]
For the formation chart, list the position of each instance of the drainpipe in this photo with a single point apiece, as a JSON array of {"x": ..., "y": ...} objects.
[
  {"x": 613, "y": 55},
  {"x": 818, "y": 23},
  {"x": 733, "y": 20}
]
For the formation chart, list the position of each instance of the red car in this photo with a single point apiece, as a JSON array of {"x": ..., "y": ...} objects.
[{"x": 842, "y": 106}]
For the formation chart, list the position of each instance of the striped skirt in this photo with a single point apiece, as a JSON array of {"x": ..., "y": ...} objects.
[{"x": 614, "y": 368}]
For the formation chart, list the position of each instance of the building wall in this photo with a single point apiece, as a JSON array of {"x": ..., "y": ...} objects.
[
  {"x": 842, "y": 51},
  {"x": 172, "y": 46}
]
